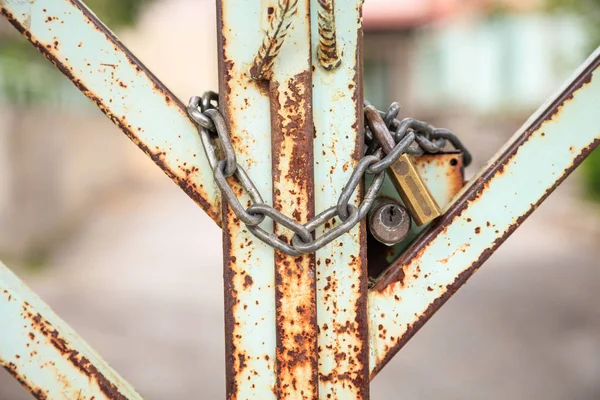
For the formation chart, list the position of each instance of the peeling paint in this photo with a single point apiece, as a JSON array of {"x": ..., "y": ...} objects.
[
  {"x": 341, "y": 266},
  {"x": 249, "y": 311},
  {"x": 40, "y": 351},
  {"x": 486, "y": 213},
  {"x": 443, "y": 174},
  {"x": 122, "y": 87},
  {"x": 293, "y": 194}
]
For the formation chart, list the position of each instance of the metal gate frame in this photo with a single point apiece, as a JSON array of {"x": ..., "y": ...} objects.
[{"x": 348, "y": 333}]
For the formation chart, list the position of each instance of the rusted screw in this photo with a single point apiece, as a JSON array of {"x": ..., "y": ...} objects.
[{"x": 390, "y": 222}]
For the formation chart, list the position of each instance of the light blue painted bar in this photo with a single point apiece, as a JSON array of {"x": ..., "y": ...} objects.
[
  {"x": 341, "y": 265},
  {"x": 41, "y": 351},
  {"x": 443, "y": 180},
  {"x": 248, "y": 262},
  {"x": 532, "y": 164},
  {"x": 71, "y": 36}
]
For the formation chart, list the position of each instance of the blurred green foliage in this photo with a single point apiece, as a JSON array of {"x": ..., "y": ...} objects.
[
  {"x": 589, "y": 10},
  {"x": 20, "y": 60},
  {"x": 117, "y": 13},
  {"x": 591, "y": 172}
]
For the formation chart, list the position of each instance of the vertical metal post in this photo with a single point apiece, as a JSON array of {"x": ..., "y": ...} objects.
[
  {"x": 293, "y": 188},
  {"x": 341, "y": 266},
  {"x": 248, "y": 263},
  {"x": 270, "y": 297}
]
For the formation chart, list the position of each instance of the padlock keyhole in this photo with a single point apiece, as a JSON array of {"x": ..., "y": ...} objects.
[
  {"x": 392, "y": 216},
  {"x": 391, "y": 213}
]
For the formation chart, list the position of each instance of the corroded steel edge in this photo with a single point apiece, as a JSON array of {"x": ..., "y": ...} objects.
[
  {"x": 293, "y": 194},
  {"x": 341, "y": 266},
  {"x": 443, "y": 173},
  {"x": 249, "y": 272},
  {"x": 392, "y": 329},
  {"x": 45, "y": 355},
  {"x": 122, "y": 87}
]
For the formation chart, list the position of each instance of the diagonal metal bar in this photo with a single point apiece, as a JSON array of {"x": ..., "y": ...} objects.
[
  {"x": 514, "y": 183},
  {"x": 45, "y": 355},
  {"x": 444, "y": 175},
  {"x": 90, "y": 55},
  {"x": 341, "y": 266}
]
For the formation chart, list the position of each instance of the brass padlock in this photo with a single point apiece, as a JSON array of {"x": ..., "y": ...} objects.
[{"x": 404, "y": 175}]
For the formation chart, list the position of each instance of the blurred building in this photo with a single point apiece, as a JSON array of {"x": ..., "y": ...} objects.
[
  {"x": 59, "y": 156},
  {"x": 476, "y": 56},
  {"x": 478, "y": 67}
]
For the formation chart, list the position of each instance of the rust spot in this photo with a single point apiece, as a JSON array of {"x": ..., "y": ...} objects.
[
  {"x": 378, "y": 253},
  {"x": 471, "y": 195},
  {"x": 50, "y": 52},
  {"x": 293, "y": 193},
  {"x": 78, "y": 360},
  {"x": 37, "y": 392}
]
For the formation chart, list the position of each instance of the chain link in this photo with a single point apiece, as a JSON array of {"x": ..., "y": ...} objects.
[{"x": 411, "y": 136}]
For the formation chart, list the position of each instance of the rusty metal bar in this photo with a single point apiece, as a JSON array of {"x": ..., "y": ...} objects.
[
  {"x": 341, "y": 266},
  {"x": 249, "y": 271},
  {"x": 293, "y": 194},
  {"x": 45, "y": 355},
  {"x": 105, "y": 71},
  {"x": 513, "y": 184},
  {"x": 444, "y": 175}
]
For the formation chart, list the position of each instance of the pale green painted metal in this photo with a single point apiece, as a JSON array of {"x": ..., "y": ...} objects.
[
  {"x": 341, "y": 266},
  {"x": 70, "y": 35},
  {"x": 249, "y": 308},
  {"x": 258, "y": 367},
  {"x": 56, "y": 363},
  {"x": 290, "y": 90},
  {"x": 443, "y": 181},
  {"x": 505, "y": 192},
  {"x": 45, "y": 355}
]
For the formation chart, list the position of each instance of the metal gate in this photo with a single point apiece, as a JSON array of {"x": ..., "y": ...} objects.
[{"x": 297, "y": 326}]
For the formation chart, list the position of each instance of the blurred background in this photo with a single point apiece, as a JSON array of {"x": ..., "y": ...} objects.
[{"x": 135, "y": 267}]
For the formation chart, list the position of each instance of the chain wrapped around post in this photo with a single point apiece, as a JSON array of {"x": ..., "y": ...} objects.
[{"x": 411, "y": 136}]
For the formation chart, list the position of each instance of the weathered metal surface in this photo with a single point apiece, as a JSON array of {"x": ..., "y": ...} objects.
[
  {"x": 89, "y": 54},
  {"x": 403, "y": 174},
  {"x": 443, "y": 174},
  {"x": 341, "y": 266},
  {"x": 45, "y": 355},
  {"x": 249, "y": 271},
  {"x": 513, "y": 184},
  {"x": 293, "y": 186},
  {"x": 328, "y": 53},
  {"x": 390, "y": 222},
  {"x": 281, "y": 15}
]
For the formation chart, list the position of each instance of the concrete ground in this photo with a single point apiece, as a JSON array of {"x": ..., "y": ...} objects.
[{"x": 142, "y": 284}]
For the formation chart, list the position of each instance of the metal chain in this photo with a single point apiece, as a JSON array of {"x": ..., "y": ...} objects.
[
  {"x": 411, "y": 136},
  {"x": 427, "y": 138}
]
